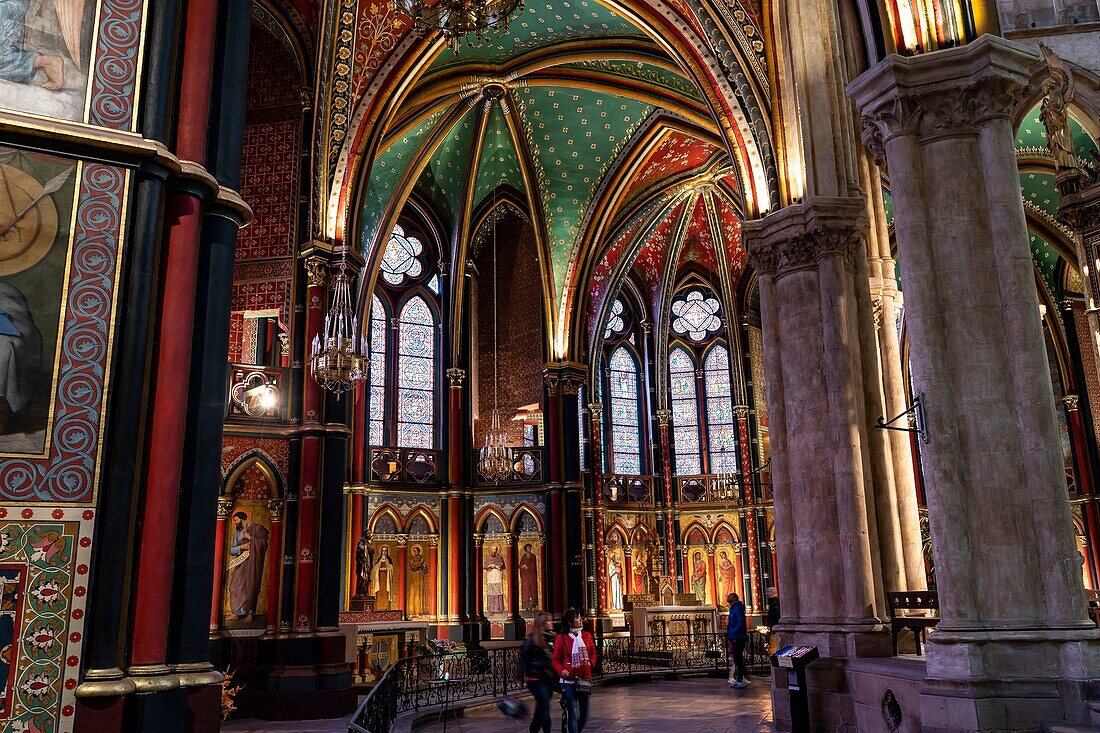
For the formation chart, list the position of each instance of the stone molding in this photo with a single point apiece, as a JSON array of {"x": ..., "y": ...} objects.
[
  {"x": 952, "y": 92},
  {"x": 799, "y": 236}
]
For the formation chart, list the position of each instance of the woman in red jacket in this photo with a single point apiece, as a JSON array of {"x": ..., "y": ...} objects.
[{"x": 574, "y": 657}]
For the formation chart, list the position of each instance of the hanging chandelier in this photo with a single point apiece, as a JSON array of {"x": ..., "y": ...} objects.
[
  {"x": 456, "y": 19},
  {"x": 495, "y": 459},
  {"x": 336, "y": 361}
]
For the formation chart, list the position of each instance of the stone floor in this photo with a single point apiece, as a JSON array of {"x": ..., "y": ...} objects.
[{"x": 693, "y": 705}]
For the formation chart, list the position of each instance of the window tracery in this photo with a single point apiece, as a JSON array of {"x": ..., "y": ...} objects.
[{"x": 626, "y": 449}]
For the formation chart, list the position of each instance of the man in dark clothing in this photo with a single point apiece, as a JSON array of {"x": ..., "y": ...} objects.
[
  {"x": 736, "y": 636},
  {"x": 773, "y": 605}
]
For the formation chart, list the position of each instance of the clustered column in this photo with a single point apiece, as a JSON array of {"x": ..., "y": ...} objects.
[
  {"x": 1014, "y": 647},
  {"x": 806, "y": 257}
]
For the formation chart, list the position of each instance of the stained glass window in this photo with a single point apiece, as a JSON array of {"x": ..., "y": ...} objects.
[
  {"x": 685, "y": 412},
  {"x": 615, "y": 322},
  {"x": 416, "y": 375},
  {"x": 626, "y": 449},
  {"x": 401, "y": 258},
  {"x": 377, "y": 405},
  {"x": 695, "y": 314},
  {"x": 721, "y": 435}
]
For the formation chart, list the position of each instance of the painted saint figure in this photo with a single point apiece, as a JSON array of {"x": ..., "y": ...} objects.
[
  {"x": 528, "y": 580},
  {"x": 246, "y": 566},
  {"x": 615, "y": 581},
  {"x": 381, "y": 577},
  {"x": 727, "y": 573},
  {"x": 699, "y": 576},
  {"x": 641, "y": 571},
  {"x": 418, "y": 585},
  {"x": 494, "y": 582}
]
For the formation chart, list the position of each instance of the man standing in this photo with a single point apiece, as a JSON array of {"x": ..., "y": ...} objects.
[
  {"x": 736, "y": 636},
  {"x": 246, "y": 566},
  {"x": 528, "y": 580}
]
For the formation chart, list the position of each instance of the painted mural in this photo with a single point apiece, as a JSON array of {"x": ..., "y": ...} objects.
[
  {"x": 45, "y": 46},
  {"x": 246, "y": 575},
  {"x": 384, "y": 577},
  {"x": 36, "y": 212},
  {"x": 43, "y": 585},
  {"x": 495, "y": 581}
]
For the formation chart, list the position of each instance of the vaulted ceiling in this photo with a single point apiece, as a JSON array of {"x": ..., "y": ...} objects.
[{"x": 608, "y": 144}]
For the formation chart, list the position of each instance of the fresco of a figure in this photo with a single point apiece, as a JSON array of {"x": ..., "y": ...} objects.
[
  {"x": 418, "y": 582},
  {"x": 494, "y": 567},
  {"x": 245, "y": 569},
  {"x": 528, "y": 579},
  {"x": 383, "y": 580},
  {"x": 699, "y": 575},
  {"x": 614, "y": 580},
  {"x": 36, "y": 199},
  {"x": 45, "y": 47}
]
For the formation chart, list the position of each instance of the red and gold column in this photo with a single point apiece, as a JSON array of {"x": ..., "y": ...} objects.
[
  {"x": 157, "y": 538},
  {"x": 596, "y": 442},
  {"x": 456, "y": 589},
  {"x": 275, "y": 563},
  {"x": 557, "y": 508},
  {"x": 225, "y": 506},
  {"x": 712, "y": 581},
  {"x": 742, "y": 414},
  {"x": 310, "y": 477},
  {"x": 666, "y": 478}
]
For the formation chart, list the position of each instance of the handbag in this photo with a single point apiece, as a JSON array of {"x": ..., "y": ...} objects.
[{"x": 584, "y": 687}]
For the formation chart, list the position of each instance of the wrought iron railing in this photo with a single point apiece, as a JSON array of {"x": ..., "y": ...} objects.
[{"x": 415, "y": 683}]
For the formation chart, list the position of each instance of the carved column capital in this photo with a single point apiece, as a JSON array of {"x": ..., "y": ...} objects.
[
  {"x": 741, "y": 411},
  {"x": 455, "y": 377},
  {"x": 797, "y": 237},
  {"x": 275, "y": 508},
  {"x": 594, "y": 409},
  {"x": 1071, "y": 402},
  {"x": 316, "y": 272},
  {"x": 952, "y": 92},
  {"x": 553, "y": 382},
  {"x": 663, "y": 417},
  {"x": 225, "y": 506}
]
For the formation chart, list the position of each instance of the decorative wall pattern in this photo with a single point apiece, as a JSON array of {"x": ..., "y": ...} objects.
[
  {"x": 44, "y": 556},
  {"x": 276, "y": 449},
  {"x": 268, "y": 178}
]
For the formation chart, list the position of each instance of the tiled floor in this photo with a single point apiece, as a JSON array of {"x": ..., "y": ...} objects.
[{"x": 692, "y": 705}]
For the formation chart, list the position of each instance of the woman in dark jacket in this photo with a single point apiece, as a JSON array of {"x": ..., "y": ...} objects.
[{"x": 538, "y": 671}]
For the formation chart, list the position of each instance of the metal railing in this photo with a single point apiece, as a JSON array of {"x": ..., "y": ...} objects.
[{"x": 415, "y": 683}]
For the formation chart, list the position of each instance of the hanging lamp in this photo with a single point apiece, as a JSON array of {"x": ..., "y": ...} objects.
[
  {"x": 337, "y": 361},
  {"x": 457, "y": 19},
  {"x": 495, "y": 458}
]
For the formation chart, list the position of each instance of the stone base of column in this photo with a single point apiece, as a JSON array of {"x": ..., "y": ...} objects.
[
  {"x": 1009, "y": 680},
  {"x": 832, "y": 703}
]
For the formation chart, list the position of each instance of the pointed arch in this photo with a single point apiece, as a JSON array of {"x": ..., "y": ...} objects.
[
  {"x": 721, "y": 426},
  {"x": 490, "y": 511},
  {"x": 525, "y": 509},
  {"x": 416, "y": 366},
  {"x": 421, "y": 512},
  {"x": 261, "y": 460},
  {"x": 386, "y": 510}
]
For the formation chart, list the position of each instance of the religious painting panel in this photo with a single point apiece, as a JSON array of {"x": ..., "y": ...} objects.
[
  {"x": 615, "y": 570},
  {"x": 384, "y": 583},
  {"x": 643, "y": 559},
  {"x": 529, "y": 574},
  {"x": 60, "y": 220},
  {"x": 727, "y": 565},
  {"x": 43, "y": 585},
  {"x": 247, "y": 561},
  {"x": 697, "y": 570},
  {"x": 421, "y": 551},
  {"x": 494, "y": 578},
  {"x": 71, "y": 60}
]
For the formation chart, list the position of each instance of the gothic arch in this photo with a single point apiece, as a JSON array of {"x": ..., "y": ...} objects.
[{"x": 265, "y": 463}]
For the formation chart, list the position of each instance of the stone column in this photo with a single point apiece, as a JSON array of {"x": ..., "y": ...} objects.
[
  {"x": 225, "y": 506},
  {"x": 1015, "y": 647},
  {"x": 806, "y": 257},
  {"x": 663, "y": 418},
  {"x": 896, "y": 491}
]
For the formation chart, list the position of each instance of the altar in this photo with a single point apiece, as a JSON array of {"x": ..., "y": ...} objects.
[{"x": 689, "y": 621}]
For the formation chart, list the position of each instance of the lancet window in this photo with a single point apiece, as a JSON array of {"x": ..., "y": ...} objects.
[{"x": 404, "y": 342}]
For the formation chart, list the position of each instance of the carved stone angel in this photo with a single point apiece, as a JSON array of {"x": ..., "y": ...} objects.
[{"x": 1054, "y": 113}]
